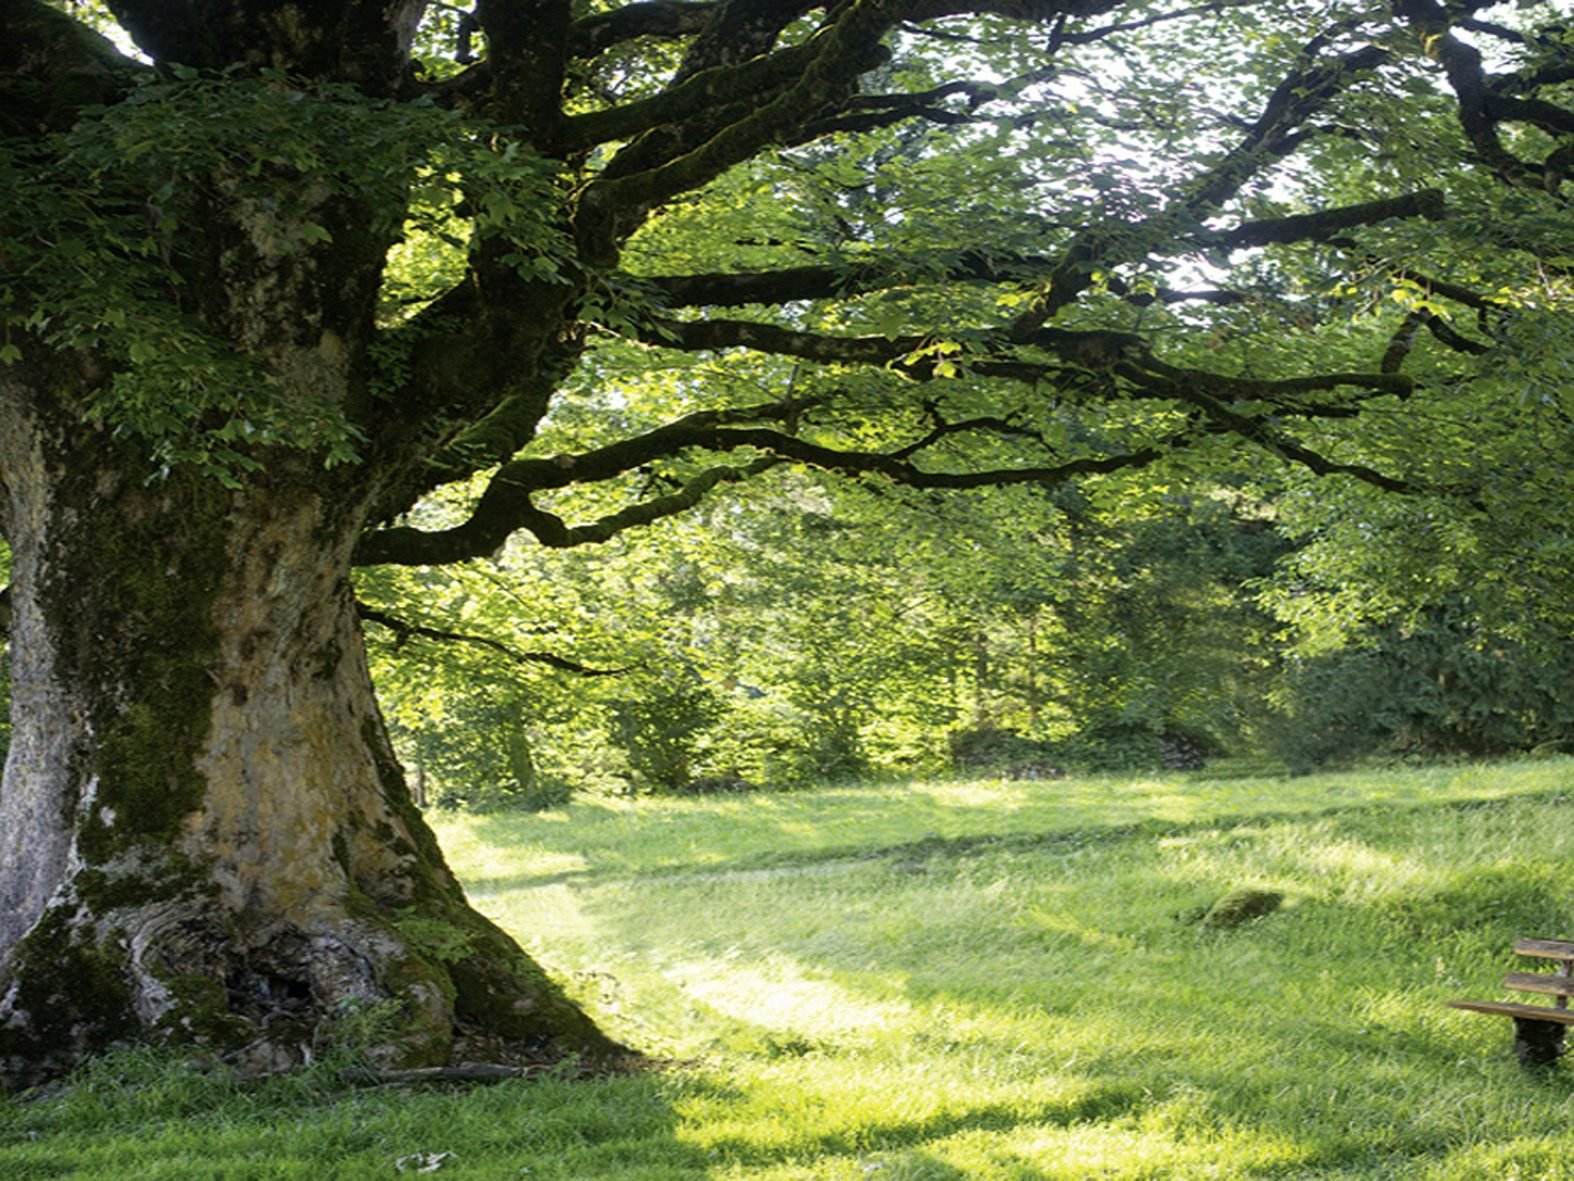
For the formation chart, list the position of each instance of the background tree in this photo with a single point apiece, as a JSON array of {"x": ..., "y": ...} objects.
[
  {"x": 278, "y": 277},
  {"x": 807, "y": 630}
]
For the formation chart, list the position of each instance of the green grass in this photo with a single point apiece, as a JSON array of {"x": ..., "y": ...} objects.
[
  {"x": 970, "y": 980},
  {"x": 641, "y": 835}
]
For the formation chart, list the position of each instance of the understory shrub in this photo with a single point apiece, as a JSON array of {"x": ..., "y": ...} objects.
[
  {"x": 1443, "y": 685},
  {"x": 1136, "y": 746}
]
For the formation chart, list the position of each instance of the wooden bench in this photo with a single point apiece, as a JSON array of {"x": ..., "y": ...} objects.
[{"x": 1538, "y": 1029}]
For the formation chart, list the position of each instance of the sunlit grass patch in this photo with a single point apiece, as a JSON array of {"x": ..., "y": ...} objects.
[
  {"x": 1076, "y": 967},
  {"x": 779, "y": 996},
  {"x": 1528, "y": 1158}
]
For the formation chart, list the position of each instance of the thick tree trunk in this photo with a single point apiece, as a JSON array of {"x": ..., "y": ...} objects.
[{"x": 206, "y": 837}]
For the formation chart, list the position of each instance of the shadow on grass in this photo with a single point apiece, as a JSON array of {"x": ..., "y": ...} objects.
[
  {"x": 779, "y": 851},
  {"x": 1105, "y": 1102}
]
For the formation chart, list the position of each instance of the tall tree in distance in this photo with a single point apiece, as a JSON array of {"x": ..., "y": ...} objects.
[{"x": 278, "y": 275}]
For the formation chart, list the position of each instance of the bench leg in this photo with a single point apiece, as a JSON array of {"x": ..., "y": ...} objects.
[{"x": 1537, "y": 1043}]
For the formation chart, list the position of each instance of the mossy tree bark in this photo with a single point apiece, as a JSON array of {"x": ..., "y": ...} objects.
[{"x": 209, "y": 840}]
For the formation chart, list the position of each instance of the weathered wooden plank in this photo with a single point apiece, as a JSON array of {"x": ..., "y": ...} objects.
[
  {"x": 1540, "y": 982},
  {"x": 1510, "y": 1009},
  {"x": 1546, "y": 949}
]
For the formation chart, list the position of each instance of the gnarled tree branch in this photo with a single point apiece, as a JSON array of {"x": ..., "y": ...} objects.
[
  {"x": 593, "y": 35},
  {"x": 404, "y": 630},
  {"x": 724, "y": 289},
  {"x": 507, "y": 509}
]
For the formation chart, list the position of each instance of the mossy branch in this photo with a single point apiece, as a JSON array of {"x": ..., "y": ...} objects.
[
  {"x": 783, "y": 285},
  {"x": 699, "y": 94},
  {"x": 593, "y": 35},
  {"x": 1462, "y": 64}
]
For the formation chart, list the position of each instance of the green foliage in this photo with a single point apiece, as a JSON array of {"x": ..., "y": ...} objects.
[
  {"x": 659, "y": 720},
  {"x": 1443, "y": 684},
  {"x": 1115, "y": 628},
  {"x": 838, "y": 629},
  {"x": 1123, "y": 745},
  {"x": 986, "y": 747},
  {"x": 477, "y": 725},
  {"x": 477, "y": 754},
  {"x": 1112, "y": 630},
  {"x": 98, "y": 219},
  {"x": 841, "y": 629}
]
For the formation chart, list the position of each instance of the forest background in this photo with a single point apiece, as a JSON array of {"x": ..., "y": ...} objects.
[
  {"x": 803, "y": 628},
  {"x": 806, "y": 632}
]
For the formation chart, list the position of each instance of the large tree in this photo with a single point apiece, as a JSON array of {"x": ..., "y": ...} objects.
[{"x": 273, "y": 275}]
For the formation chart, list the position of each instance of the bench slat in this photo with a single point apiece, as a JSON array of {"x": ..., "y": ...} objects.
[
  {"x": 1546, "y": 949},
  {"x": 1509, "y": 1009},
  {"x": 1540, "y": 982}
]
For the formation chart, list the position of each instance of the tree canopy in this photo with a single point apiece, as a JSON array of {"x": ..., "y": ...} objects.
[{"x": 953, "y": 247}]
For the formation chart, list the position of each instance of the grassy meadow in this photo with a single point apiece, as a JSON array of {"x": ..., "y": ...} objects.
[{"x": 939, "y": 981}]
